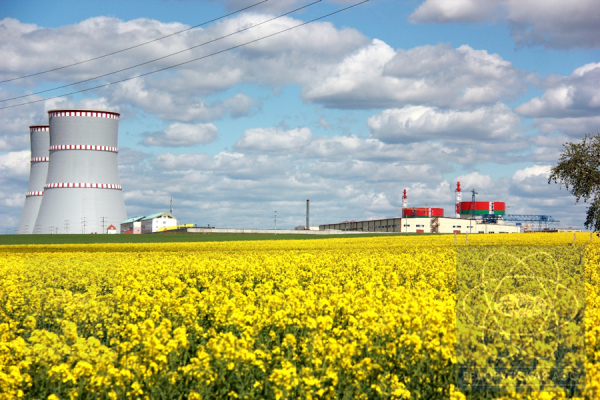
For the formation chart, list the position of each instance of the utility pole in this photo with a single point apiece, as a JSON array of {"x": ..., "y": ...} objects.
[
  {"x": 66, "y": 226},
  {"x": 472, "y": 209},
  {"x": 276, "y": 222},
  {"x": 83, "y": 224},
  {"x": 102, "y": 221}
]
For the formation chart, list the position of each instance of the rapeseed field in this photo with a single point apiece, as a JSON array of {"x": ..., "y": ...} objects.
[{"x": 358, "y": 318}]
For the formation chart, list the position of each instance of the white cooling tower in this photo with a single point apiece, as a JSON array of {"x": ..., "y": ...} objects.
[
  {"x": 40, "y": 142},
  {"x": 82, "y": 193}
]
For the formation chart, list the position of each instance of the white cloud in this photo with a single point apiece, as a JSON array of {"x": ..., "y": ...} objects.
[
  {"x": 274, "y": 139},
  {"x": 377, "y": 76},
  {"x": 567, "y": 96},
  {"x": 575, "y": 128},
  {"x": 280, "y": 59},
  {"x": 550, "y": 23},
  {"x": 570, "y": 105},
  {"x": 177, "y": 94},
  {"x": 15, "y": 165},
  {"x": 166, "y": 104},
  {"x": 324, "y": 123},
  {"x": 181, "y": 135},
  {"x": 419, "y": 123},
  {"x": 535, "y": 171},
  {"x": 444, "y": 11},
  {"x": 477, "y": 181}
]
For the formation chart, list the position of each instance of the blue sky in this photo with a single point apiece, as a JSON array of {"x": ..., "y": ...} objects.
[{"x": 347, "y": 111}]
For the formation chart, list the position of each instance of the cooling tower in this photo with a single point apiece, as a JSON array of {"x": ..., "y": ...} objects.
[
  {"x": 82, "y": 193},
  {"x": 40, "y": 142}
]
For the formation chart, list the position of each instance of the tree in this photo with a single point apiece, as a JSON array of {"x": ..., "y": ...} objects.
[{"x": 579, "y": 169}]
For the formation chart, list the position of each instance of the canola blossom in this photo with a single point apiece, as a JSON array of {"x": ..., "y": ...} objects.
[{"x": 358, "y": 318}]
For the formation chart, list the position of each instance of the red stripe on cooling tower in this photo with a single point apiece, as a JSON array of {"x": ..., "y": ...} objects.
[
  {"x": 39, "y": 128},
  {"x": 39, "y": 159},
  {"x": 81, "y": 113},
  {"x": 34, "y": 193},
  {"x": 84, "y": 147},
  {"x": 82, "y": 185}
]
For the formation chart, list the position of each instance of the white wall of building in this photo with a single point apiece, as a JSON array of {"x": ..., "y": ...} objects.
[
  {"x": 152, "y": 225},
  {"x": 422, "y": 225}
]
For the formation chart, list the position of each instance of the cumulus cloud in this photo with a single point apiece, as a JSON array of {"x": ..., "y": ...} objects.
[
  {"x": 233, "y": 189},
  {"x": 182, "y": 135},
  {"x": 535, "y": 171},
  {"x": 169, "y": 106},
  {"x": 274, "y": 139},
  {"x": 377, "y": 76},
  {"x": 15, "y": 165},
  {"x": 440, "y": 11},
  {"x": 278, "y": 60},
  {"x": 557, "y": 24},
  {"x": 420, "y": 123},
  {"x": 567, "y": 96},
  {"x": 569, "y": 106}
]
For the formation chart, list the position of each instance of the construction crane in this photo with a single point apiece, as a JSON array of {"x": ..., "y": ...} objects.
[{"x": 542, "y": 221}]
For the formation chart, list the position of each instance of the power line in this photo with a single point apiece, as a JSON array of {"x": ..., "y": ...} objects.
[
  {"x": 160, "y": 58},
  {"x": 132, "y": 47},
  {"x": 190, "y": 61}
]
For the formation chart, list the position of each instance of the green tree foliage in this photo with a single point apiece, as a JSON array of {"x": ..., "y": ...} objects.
[{"x": 579, "y": 169}]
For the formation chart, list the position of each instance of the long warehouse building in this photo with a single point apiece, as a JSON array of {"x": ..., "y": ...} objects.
[
  {"x": 422, "y": 225},
  {"x": 432, "y": 220}
]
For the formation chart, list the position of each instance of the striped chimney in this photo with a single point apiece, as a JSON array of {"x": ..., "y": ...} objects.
[{"x": 458, "y": 198}]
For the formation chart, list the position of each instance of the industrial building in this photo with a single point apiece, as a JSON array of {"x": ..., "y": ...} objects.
[
  {"x": 150, "y": 224},
  {"x": 422, "y": 225},
  {"x": 39, "y": 136},
  {"x": 81, "y": 191},
  {"x": 156, "y": 222},
  {"x": 132, "y": 225},
  {"x": 432, "y": 219}
]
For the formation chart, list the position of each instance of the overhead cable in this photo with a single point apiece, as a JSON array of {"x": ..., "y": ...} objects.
[
  {"x": 192, "y": 60},
  {"x": 159, "y": 58},
  {"x": 133, "y": 47}
]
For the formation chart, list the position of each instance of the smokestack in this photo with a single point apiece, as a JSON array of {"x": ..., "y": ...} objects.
[
  {"x": 82, "y": 187},
  {"x": 40, "y": 142},
  {"x": 458, "y": 197},
  {"x": 404, "y": 200},
  {"x": 307, "y": 214}
]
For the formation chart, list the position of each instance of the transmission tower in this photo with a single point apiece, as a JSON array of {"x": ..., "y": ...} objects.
[
  {"x": 83, "y": 224},
  {"x": 102, "y": 221},
  {"x": 66, "y": 226}
]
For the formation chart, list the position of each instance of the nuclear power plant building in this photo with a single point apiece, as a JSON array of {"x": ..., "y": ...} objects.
[
  {"x": 82, "y": 192},
  {"x": 39, "y": 136}
]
